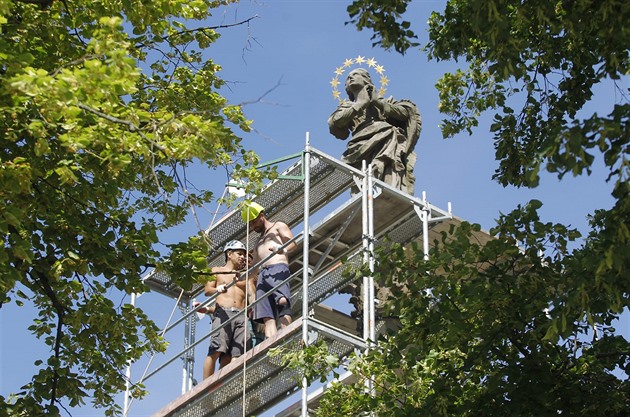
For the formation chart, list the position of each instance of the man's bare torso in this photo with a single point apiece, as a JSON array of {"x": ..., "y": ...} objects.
[
  {"x": 235, "y": 295},
  {"x": 267, "y": 243}
]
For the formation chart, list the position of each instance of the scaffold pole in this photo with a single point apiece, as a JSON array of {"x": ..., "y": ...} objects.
[{"x": 305, "y": 250}]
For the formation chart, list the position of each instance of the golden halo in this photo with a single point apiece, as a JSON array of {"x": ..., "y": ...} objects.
[{"x": 371, "y": 63}]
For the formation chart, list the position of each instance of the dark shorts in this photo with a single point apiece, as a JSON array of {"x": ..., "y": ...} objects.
[
  {"x": 268, "y": 277},
  {"x": 230, "y": 338}
]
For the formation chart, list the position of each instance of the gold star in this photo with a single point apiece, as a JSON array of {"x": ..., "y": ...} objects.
[{"x": 347, "y": 63}]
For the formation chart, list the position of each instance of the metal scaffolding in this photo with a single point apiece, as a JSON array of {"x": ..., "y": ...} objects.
[{"x": 361, "y": 213}]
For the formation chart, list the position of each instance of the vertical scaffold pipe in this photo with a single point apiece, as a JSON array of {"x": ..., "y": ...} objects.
[
  {"x": 191, "y": 353},
  {"x": 366, "y": 259},
  {"x": 186, "y": 358},
  {"x": 371, "y": 237},
  {"x": 306, "y": 163},
  {"x": 425, "y": 226}
]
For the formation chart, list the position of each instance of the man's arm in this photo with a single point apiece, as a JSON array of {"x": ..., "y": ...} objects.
[
  {"x": 211, "y": 286},
  {"x": 285, "y": 234},
  {"x": 209, "y": 289}
]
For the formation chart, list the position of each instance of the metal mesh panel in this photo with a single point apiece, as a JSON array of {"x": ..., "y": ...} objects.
[
  {"x": 264, "y": 382},
  {"x": 404, "y": 231},
  {"x": 162, "y": 283},
  {"x": 267, "y": 382},
  {"x": 270, "y": 384},
  {"x": 329, "y": 283},
  {"x": 326, "y": 285},
  {"x": 283, "y": 199}
]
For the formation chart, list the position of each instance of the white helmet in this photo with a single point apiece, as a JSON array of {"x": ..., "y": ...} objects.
[{"x": 234, "y": 245}]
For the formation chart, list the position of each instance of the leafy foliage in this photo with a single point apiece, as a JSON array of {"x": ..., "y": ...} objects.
[
  {"x": 523, "y": 325},
  {"x": 316, "y": 354},
  {"x": 492, "y": 330},
  {"x": 103, "y": 105},
  {"x": 382, "y": 17},
  {"x": 539, "y": 63}
]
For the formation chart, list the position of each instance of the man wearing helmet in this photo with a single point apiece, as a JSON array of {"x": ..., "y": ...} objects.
[
  {"x": 275, "y": 269},
  {"x": 233, "y": 339}
]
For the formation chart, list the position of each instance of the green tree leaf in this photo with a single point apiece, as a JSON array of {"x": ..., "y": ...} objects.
[{"x": 103, "y": 107}]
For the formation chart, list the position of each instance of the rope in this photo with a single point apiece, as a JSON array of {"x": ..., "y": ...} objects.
[
  {"x": 218, "y": 207},
  {"x": 246, "y": 321},
  {"x": 181, "y": 293}
]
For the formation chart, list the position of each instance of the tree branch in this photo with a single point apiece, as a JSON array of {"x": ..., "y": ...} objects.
[
  {"x": 130, "y": 125},
  {"x": 61, "y": 310}
]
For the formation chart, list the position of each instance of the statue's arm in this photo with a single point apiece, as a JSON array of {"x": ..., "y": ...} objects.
[
  {"x": 393, "y": 110},
  {"x": 340, "y": 121}
]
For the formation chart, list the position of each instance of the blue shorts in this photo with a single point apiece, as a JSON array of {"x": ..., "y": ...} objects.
[{"x": 268, "y": 277}]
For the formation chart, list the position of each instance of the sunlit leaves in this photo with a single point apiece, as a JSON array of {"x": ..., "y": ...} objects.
[
  {"x": 522, "y": 325},
  {"x": 103, "y": 106},
  {"x": 497, "y": 327},
  {"x": 551, "y": 55},
  {"x": 382, "y": 17},
  {"x": 312, "y": 362}
]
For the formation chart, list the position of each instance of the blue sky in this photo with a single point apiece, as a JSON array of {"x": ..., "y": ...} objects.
[{"x": 282, "y": 63}]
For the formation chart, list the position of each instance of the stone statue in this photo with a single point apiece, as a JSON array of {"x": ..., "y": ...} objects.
[{"x": 384, "y": 131}]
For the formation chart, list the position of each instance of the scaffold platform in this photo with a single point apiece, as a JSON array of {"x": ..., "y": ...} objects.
[
  {"x": 335, "y": 244},
  {"x": 336, "y": 236},
  {"x": 265, "y": 380}
]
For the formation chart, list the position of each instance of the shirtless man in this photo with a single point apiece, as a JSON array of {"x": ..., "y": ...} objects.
[
  {"x": 229, "y": 342},
  {"x": 277, "y": 306}
]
